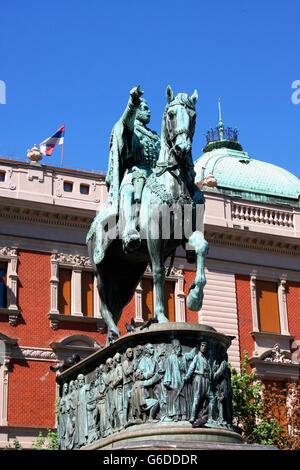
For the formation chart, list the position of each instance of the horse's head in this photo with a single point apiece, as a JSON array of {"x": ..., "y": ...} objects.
[{"x": 179, "y": 123}]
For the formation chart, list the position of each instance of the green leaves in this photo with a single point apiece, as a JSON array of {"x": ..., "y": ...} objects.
[{"x": 248, "y": 408}]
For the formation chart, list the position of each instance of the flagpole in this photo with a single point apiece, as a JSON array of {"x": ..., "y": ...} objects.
[{"x": 62, "y": 152}]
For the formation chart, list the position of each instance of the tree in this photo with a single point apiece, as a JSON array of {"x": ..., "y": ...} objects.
[
  {"x": 284, "y": 404},
  {"x": 248, "y": 409}
]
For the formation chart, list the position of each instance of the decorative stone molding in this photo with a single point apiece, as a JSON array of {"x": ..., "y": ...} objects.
[
  {"x": 56, "y": 319},
  {"x": 71, "y": 260},
  {"x": 43, "y": 217},
  {"x": 176, "y": 275},
  {"x": 10, "y": 182},
  {"x": 277, "y": 356},
  {"x": 94, "y": 192},
  {"x": 283, "y": 307},
  {"x": 58, "y": 184},
  {"x": 77, "y": 263},
  {"x": 34, "y": 155},
  {"x": 33, "y": 354},
  {"x": 262, "y": 215},
  {"x": 264, "y": 343},
  {"x": 74, "y": 344},
  {"x": 254, "y": 303},
  {"x": 10, "y": 256},
  {"x": 8, "y": 252},
  {"x": 235, "y": 240},
  {"x": 11, "y": 315},
  {"x": 25, "y": 435},
  {"x": 277, "y": 371},
  {"x": 7, "y": 346}
]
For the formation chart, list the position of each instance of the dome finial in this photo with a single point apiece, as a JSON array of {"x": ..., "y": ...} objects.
[
  {"x": 221, "y": 136},
  {"x": 220, "y": 125},
  {"x": 220, "y": 116}
]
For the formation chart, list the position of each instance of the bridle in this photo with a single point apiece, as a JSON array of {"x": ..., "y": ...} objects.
[{"x": 170, "y": 144}]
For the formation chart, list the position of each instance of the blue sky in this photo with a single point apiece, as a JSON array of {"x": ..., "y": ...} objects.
[{"x": 73, "y": 62}]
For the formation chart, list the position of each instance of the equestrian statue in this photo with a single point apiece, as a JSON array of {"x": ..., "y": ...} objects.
[{"x": 153, "y": 207}]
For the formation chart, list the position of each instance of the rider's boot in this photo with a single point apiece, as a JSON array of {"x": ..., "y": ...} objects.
[{"x": 131, "y": 238}]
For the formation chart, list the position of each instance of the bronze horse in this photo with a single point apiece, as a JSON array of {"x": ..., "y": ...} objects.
[{"x": 170, "y": 199}]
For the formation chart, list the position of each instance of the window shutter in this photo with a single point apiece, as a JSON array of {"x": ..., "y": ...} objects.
[
  {"x": 268, "y": 310},
  {"x": 65, "y": 291},
  {"x": 87, "y": 293}
]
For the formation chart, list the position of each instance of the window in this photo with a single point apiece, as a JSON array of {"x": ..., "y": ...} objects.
[
  {"x": 147, "y": 285},
  {"x": 2, "y": 176},
  {"x": 87, "y": 293},
  {"x": 74, "y": 296},
  {"x": 84, "y": 189},
  {"x": 68, "y": 186},
  {"x": 267, "y": 305},
  {"x": 3, "y": 285},
  {"x": 169, "y": 299},
  {"x": 65, "y": 291}
]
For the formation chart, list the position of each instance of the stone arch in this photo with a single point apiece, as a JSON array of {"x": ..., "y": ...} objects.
[{"x": 81, "y": 344}]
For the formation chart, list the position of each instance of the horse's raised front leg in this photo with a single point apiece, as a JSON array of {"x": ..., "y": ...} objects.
[
  {"x": 155, "y": 248},
  {"x": 195, "y": 296}
]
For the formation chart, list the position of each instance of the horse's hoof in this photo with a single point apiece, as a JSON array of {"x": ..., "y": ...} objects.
[{"x": 131, "y": 241}]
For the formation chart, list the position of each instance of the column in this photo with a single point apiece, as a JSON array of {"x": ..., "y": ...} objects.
[{"x": 76, "y": 292}]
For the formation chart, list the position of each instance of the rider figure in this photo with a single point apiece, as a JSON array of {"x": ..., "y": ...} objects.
[{"x": 140, "y": 159}]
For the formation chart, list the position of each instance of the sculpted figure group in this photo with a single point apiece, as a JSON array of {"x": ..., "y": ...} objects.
[{"x": 166, "y": 383}]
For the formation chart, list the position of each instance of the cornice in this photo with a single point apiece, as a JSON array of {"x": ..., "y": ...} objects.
[
  {"x": 40, "y": 216},
  {"x": 236, "y": 240}
]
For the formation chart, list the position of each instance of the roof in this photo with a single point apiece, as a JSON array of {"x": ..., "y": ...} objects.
[{"x": 237, "y": 173}]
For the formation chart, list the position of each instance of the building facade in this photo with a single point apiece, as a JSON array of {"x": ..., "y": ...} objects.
[{"x": 49, "y": 305}]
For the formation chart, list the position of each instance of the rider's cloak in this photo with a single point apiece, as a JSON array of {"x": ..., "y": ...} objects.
[{"x": 104, "y": 225}]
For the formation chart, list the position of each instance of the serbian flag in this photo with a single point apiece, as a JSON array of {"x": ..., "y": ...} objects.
[{"x": 48, "y": 145}]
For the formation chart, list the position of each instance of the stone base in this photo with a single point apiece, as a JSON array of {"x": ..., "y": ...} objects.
[
  {"x": 161, "y": 403},
  {"x": 168, "y": 436}
]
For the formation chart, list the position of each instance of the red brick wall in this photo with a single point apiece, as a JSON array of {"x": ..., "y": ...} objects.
[
  {"x": 189, "y": 277},
  {"x": 244, "y": 308},
  {"x": 293, "y": 307},
  {"x": 33, "y": 327},
  {"x": 31, "y": 401},
  {"x": 128, "y": 312}
]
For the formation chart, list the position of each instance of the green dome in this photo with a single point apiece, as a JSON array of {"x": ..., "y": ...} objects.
[{"x": 238, "y": 174}]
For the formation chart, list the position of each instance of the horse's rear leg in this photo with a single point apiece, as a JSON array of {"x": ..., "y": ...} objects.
[
  {"x": 155, "y": 248},
  {"x": 113, "y": 331},
  {"x": 109, "y": 317}
]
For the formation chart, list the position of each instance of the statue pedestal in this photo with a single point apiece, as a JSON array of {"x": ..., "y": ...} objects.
[
  {"x": 180, "y": 436},
  {"x": 165, "y": 387}
]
